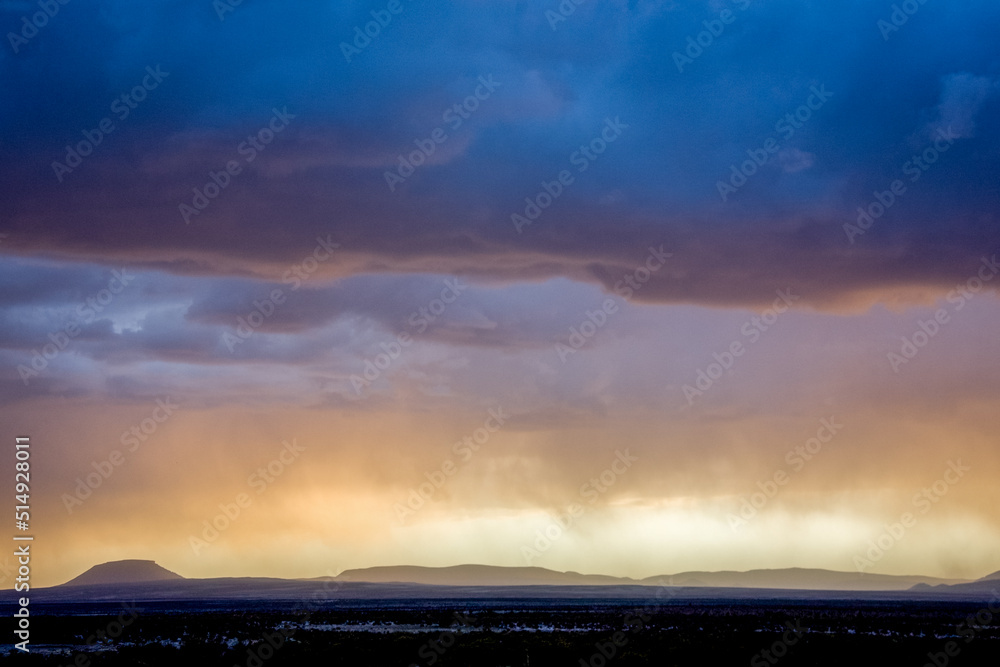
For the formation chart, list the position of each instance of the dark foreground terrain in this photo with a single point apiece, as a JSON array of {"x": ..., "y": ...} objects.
[{"x": 513, "y": 632}]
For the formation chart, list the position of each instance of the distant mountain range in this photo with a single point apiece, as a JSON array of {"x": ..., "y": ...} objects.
[
  {"x": 146, "y": 579},
  {"x": 791, "y": 578}
]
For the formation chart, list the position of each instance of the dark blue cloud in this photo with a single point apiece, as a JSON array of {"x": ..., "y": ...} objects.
[{"x": 657, "y": 183}]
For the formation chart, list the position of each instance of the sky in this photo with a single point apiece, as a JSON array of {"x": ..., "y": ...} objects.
[{"x": 628, "y": 288}]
